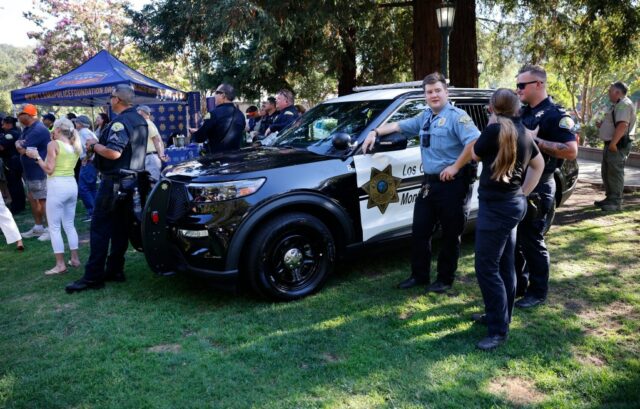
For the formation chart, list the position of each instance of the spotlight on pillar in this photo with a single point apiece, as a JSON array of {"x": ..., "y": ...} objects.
[{"x": 445, "y": 15}]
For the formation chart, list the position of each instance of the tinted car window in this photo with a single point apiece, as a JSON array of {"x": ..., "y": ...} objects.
[
  {"x": 408, "y": 110},
  {"x": 314, "y": 130}
]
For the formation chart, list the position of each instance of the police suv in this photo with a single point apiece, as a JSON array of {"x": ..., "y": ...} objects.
[{"x": 278, "y": 217}]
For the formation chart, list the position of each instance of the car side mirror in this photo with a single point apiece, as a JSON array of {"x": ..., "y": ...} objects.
[
  {"x": 392, "y": 142},
  {"x": 341, "y": 141}
]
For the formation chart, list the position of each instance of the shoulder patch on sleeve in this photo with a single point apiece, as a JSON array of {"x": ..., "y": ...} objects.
[
  {"x": 465, "y": 119},
  {"x": 288, "y": 113},
  {"x": 566, "y": 123},
  {"x": 116, "y": 127}
]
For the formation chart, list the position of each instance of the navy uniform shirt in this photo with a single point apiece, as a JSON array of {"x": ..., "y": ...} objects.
[
  {"x": 127, "y": 134},
  {"x": 8, "y": 142},
  {"x": 555, "y": 125},
  {"x": 284, "y": 118},
  {"x": 443, "y": 136},
  {"x": 224, "y": 130}
]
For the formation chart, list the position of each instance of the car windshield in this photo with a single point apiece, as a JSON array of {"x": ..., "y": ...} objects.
[{"x": 315, "y": 129}]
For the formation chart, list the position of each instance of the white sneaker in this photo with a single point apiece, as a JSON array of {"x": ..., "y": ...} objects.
[
  {"x": 44, "y": 236},
  {"x": 33, "y": 232}
]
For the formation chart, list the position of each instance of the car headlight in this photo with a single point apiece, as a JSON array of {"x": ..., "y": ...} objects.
[{"x": 217, "y": 192}]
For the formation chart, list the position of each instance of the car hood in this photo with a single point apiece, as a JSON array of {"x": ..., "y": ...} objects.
[{"x": 246, "y": 160}]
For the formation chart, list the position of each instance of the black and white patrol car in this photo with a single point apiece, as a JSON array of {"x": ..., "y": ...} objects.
[{"x": 278, "y": 217}]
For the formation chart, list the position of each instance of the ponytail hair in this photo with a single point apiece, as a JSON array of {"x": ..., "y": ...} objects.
[
  {"x": 68, "y": 129},
  {"x": 505, "y": 103}
]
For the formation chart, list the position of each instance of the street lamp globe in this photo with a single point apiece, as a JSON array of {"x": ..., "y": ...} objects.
[{"x": 445, "y": 15}]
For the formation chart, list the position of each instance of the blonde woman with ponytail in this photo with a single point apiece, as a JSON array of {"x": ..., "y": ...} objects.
[
  {"x": 511, "y": 168},
  {"x": 62, "y": 190}
]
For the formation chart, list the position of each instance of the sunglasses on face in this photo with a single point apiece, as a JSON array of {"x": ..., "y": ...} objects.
[{"x": 523, "y": 85}]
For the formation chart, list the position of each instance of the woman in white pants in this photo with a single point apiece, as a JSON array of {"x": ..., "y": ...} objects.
[
  {"x": 8, "y": 226},
  {"x": 62, "y": 190}
]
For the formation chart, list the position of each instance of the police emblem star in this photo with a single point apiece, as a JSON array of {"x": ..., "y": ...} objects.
[{"x": 382, "y": 188}]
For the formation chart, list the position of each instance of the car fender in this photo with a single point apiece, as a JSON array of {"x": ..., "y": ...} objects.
[{"x": 294, "y": 202}]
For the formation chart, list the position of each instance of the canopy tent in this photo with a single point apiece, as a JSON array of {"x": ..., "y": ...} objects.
[{"x": 91, "y": 84}]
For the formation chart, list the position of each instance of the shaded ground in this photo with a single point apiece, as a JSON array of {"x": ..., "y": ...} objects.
[{"x": 580, "y": 206}]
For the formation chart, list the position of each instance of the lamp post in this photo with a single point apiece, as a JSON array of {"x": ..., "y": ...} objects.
[{"x": 445, "y": 15}]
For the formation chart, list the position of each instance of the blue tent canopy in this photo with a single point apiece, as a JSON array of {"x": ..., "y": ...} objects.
[{"x": 91, "y": 85}]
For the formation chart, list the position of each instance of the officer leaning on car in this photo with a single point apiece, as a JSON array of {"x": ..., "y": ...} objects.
[
  {"x": 552, "y": 131},
  {"x": 447, "y": 135},
  {"x": 121, "y": 147}
]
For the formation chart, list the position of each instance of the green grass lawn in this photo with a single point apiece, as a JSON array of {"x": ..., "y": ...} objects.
[{"x": 173, "y": 342}]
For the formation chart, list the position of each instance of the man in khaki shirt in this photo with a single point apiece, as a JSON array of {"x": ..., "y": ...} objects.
[
  {"x": 616, "y": 130},
  {"x": 155, "y": 147}
]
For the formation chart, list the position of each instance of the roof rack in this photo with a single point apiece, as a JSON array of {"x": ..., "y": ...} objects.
[{"x": 410, "y": 84}]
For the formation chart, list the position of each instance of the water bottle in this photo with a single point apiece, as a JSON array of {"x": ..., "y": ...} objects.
[{"x": 137, "y": 205}]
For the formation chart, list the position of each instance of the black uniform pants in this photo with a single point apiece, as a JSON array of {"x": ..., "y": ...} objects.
[
  {"x": 446, "y": 205},
  {"x": 532, "y": 256},
  {"x": 109, "y": 233},
  {"x": 16, "y": 188}
]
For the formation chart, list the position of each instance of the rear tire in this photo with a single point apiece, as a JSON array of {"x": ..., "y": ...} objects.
[{"x": 290, "y": 257}]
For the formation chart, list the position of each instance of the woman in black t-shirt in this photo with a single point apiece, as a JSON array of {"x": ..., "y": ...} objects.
[{"x": 505, "y": 152}]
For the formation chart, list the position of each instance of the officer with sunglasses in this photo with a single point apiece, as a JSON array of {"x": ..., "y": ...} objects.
[
  {"x": 447, "y": 135},
  {"x": 551, "y": 128}
]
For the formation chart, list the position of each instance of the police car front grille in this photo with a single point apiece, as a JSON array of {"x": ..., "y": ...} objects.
[{"x": 178, "y": 202}]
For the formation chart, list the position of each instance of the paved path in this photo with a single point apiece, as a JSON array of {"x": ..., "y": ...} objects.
[{"x": 590, "y": 172}]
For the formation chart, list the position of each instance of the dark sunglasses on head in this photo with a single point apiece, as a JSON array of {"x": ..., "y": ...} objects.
[
  {"x": 219, "y": 92},
  {"x": 523, "y": 85}
]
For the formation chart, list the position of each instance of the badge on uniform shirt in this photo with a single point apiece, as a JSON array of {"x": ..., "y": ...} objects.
[
  {"x": 442, "y": 121},
  {"x": 288, "y": 113},
  {"x": 116, "y": 127},
  {"x": 539, "y": 114},
  {"x": 566, "y": 123}
]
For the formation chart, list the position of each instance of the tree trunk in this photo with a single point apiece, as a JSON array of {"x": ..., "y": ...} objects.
[
  {"x": 347, "y": 64},
  {"x": 427, "y": 41},
  {"x": 463, "y": 51}
]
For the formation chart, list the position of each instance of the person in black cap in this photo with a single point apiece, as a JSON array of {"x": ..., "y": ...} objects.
[
  {"x": 48, "y": 120},
  {"x": 224, "y": 130},
  {"x": 13, "y": 168},
  {"x": 122, "y": 146}
]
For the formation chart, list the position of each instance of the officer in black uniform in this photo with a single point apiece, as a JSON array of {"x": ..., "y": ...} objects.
[
  {"x": 552, "y": 131},
  {"x": 122, "y": 146},
  {"x": 287, "y": 112},
  {"x": 224, "y": 130},
  {"x": 13, "y": 168}
]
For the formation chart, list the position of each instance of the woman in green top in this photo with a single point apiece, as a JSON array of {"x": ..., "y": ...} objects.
[{"x": 62, "y": 190}]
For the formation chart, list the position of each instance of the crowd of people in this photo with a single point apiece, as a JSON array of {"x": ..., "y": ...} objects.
[{"x": 526, "y": 140}]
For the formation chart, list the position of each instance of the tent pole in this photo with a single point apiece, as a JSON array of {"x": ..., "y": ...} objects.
[{"x": 93, "y": 119}]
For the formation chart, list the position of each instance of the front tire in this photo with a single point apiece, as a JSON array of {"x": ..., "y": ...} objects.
[{"x": 290, "y": 257}]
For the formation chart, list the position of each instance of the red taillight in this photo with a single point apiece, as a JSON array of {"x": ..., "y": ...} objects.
[{"x": 155, "y": 217}]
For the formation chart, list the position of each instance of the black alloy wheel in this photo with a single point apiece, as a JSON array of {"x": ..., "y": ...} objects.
[{"x": 290, "y": 257}]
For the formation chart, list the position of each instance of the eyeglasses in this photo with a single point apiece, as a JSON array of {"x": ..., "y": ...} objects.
[{"x": 523, "y": 85}]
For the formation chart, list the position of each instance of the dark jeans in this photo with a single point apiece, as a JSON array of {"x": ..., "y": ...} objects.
[
  {"x": 87, "y": 188},
  {"x": 445, "y": 204},
  {"x": 495, "y": 259},
  {"x": 16, "y": 190},
  {"x": 109, "y": 226},
  {"x": 532, "y": 256}
]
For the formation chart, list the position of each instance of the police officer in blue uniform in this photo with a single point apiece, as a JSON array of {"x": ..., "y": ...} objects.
[
  {"x": 552, "y": 131},
  {"x": 287, "y": 113},
  {"x": 122, "y": 146},
  {"x": 224, "y": 130},
  {"x": 447, "y": 135},
  {"x": 13, "y": 168}
]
